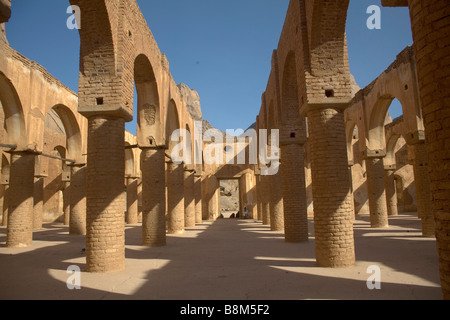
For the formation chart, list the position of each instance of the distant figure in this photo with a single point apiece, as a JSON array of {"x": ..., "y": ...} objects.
[
  {"x": 232, "y": 216},
  {"x": 245, "y": 212}
]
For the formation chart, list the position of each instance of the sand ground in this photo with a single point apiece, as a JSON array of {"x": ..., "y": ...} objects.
[{"x": 229, "y": 259}]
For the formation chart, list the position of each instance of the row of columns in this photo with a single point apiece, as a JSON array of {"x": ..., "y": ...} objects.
[
  {"x": 282, "y": 197},
  {"x": 23, "y": 200}
]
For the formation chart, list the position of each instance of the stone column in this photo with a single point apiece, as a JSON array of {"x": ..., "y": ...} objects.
[
  {"x": 258, "y": 196},
  {"x": 198, "y": 197},
  {"x": 20, "y": 200},
  {"x": 139, "y": 199},
  {"x": 377, "y": 192},
  {"x": 333, "y": 209},
  {"x": 391, "y": 194},
  {"x": 423, "y": 189},
  {"x": 4, "y": 201},
  {"x": 429, "y": 21},
  {"x": 276, "y": 202},
  {"x": 77, "y": 221},
  {"x": 294, "y": 192},
  {"x": 265, "y": 191},
  {"x": 38, "y": 202},
  {"x": 66, "y": 203},
  {"x": 189, "y": 198},
  {"x": 153, "y": 197},
  {"x": 175, "y": 198},
  {"x": 105, "y": 201},
  {"x": 132, "y": 200}
]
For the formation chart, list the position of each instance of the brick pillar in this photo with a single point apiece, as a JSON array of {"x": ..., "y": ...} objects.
[
  {"x": 105, "y": 221},
  {"x": 376, "y": 193},
  {"x": 132, "y": 200},
  {"x": 66, "y": 203},
  {"x": 20, "y": 200},
  {"x": 294, "y": 192},
  {"x": 175, "y": 198},
  {"x": 198, "y": 198},
  {"x": 153, "y": 197},
  {"x": 38, "y": 202},
  {"x": 189, "y": 198},
  {"x": 77, "y": 221},
  {"x": 391, "y": 194},
  {"x": 430, "y": 29},
  {"x": 333, "y": 209},
  {"x": 265, "y": 191},
  {"x": 276, "y": 202},
  {"x": 258, "y": 197},
  {"x": 423, "y": 191},
  {"x": 5, "y": 205},
  {"x": 139, "y": 199}
]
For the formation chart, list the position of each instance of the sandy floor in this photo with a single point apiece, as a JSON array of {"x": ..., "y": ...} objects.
[{"x": 227, "y": 259}]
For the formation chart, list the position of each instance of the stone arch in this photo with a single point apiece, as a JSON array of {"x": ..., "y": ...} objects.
[
  {"x": 14, "y": 116},
  {"x": 149, "y": 115},
  {"x": 350, "y": 127},
  {"x": 74, "y": 145},
  {"x": 376, "y": 132},
  {"x": 292, "y": 124},
  {"x": 172, "y": 124},
  {"x": 328, "y": 41}
]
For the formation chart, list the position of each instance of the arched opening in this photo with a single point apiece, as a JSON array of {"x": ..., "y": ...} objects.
[
  {"x": 148, "y": 106},
  {"x": 14, "y": 122},
  {"x": 62, "y": 119},
  {"x": 172, "y": 124},
  {"x": 379, "y": 118},
  {"x": 229, "y": 202}
]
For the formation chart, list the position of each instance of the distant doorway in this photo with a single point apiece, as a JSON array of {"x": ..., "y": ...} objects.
[{"x": 229, "y": 198}]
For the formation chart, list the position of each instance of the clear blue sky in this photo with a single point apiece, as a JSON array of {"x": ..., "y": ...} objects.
[{"x": 222, "y": 49}]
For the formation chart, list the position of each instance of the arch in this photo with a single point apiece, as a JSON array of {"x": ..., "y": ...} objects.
[
  {"x": 328, "y": 40},
  {"x": 290, "y": 104},
  {"x": 74, "y": 144},
  {"x": 149, "y": 115},
  {"x": 376, "y": 132},
  {"x": 350, "y": 127},
  {"x": 172, "y": 124},
  {"x": 14, "y": 117},
  {"x": 390, "y": 149}
]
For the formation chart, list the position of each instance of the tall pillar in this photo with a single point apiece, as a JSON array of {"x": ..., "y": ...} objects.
[
  {"x": 105, "y": 201},
  {"x": 265, "y": 191},
  {"x": 175, "y": 198},
  {"x": 391, "y": 194},
  {"x": 258, "y": 196},
  {"x": 132, "y": 200},
  {"x": 333, "y": 209},
  {"x": 377, "y": 192},
  {"x": 198, "y": 198},
  {"x": 189, "y": 198},
  {"x": 20, "y": 200},
  {"x": 77, "y": 221},
  {"x": 4, "y": 201},
  {"x": 38, "y": 202},
  {"x": 423, "y": 190},
  {"x": 153, "y": 197},
  {"x": 294, "y": 192},
  {"x": 276, "y": 202},
  {"x": 430, "y": 21},
  {"x": 66, "y": 203}
]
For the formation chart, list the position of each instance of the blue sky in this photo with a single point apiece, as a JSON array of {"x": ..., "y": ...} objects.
[{"x": 222, "y": 49}]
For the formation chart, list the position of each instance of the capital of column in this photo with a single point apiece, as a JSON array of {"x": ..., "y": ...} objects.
[
  {"x": 416, "y": 137},
  {"x": 389, "y": 167},
  {"x": 369, "y": 154},
  {"x": 338, "y": 104},
  {"x": 106, "y": 110}
]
